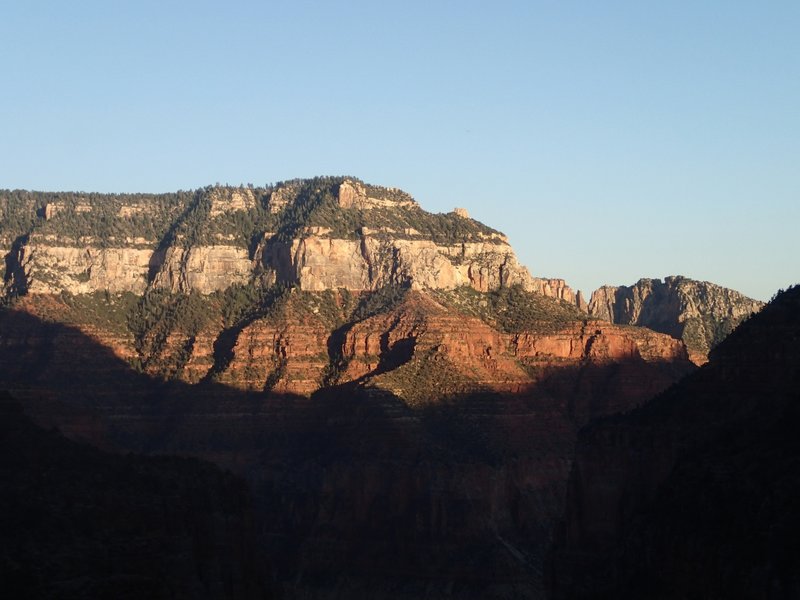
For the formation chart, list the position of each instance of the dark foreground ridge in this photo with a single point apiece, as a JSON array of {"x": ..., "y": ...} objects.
[
  {"x": 76, "y": 522},
  {"x": 695, "y": 495}
]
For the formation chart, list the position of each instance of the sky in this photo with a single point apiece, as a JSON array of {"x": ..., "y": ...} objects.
[{"x": 609, "y": 140}]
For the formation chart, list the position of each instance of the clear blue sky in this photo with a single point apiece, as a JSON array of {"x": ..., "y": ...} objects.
[{"x": 609, "y": 140}]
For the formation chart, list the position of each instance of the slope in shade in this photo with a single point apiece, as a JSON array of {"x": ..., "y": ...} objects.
[
  {"x": 357, "y": 487},
  {"x": 76, "y": 522},
  {"x": 695, "y": 495}
]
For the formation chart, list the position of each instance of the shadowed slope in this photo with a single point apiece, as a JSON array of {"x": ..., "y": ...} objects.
[
  {"x": 696, "y": 493},
  {"x": 76, "y": 522},
  {"x": 359, "y": 491}
]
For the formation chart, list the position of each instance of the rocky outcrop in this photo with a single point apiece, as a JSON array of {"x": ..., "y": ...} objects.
[
  {"x": 422, "y": 351},
  {"x": 419, "y": 350},
  {"x": 227, "y": 200},
  {"x": 46, "y": 265},
  {"x": 698, "y": 312},
  {"x": 204, "y": 269},
  {"x": 286, "y": 352},
  {"x": 354, "y": 194},
  {"x": 554, "y": 288},
  {"x": 319, "y": 262},
  {"x": 599, "y": 342},
  {"x": 695, "y": 494}
]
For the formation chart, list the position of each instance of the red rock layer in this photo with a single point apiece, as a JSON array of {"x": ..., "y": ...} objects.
[
  {"x": 285, "y": 355},
  {"x": 422, "y": 327},
  {"x": 488, "y": 359}
]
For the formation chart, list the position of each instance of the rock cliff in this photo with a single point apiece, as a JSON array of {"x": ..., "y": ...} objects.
[
  {"x": 695, "y": 494},
  {"x": 698, "y": 312},
  {"x": 319, "y": 234},
  {"x": 46, "y": 265}
]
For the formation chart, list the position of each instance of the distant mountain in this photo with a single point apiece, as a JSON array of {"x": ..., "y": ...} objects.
[
  {"x": 700, "y": 313},
  {"x": 695, "y": 494},
  {"x": 76, "y": 522}
]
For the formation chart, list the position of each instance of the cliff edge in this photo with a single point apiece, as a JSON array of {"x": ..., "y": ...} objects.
[{"x": 319, "y": 234}]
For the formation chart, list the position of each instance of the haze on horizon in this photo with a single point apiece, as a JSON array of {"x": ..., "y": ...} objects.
[{"x": 610, "y": 142}]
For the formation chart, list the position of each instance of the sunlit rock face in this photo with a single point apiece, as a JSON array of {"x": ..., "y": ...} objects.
[
  {"x": 203, "y": 269},
  {"x": 698, "y": 312},
  {"x": 321, "y": 234}
]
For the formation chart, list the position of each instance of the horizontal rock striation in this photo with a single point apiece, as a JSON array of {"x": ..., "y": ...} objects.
[
  {"x": 400, "y": 394},
  {"x": 320, "y": 234}
]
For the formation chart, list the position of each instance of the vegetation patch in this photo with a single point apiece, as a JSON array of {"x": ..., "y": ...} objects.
[
  {"x": 382, "y": 300},
  {"x": 443, "y": 229},
  {"x": 705, "y": 332},
  {"x": 241, "y": 306},
  {"x": 511, "y": 309},
  {"x": 104, "y": 310},
  {"x": 427, "y": 377},
  {"x": 156, "y": 318}
]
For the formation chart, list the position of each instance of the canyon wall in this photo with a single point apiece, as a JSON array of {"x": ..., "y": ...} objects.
[
  {"x": 78, "y": 522},
  {"x": 318, "y": 234},
  {"x": 400, "y": 394}
]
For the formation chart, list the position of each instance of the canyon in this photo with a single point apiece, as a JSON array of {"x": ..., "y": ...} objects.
[
  {"x": 402, "y": 397},
  {"x": 438, "y": 441}
]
